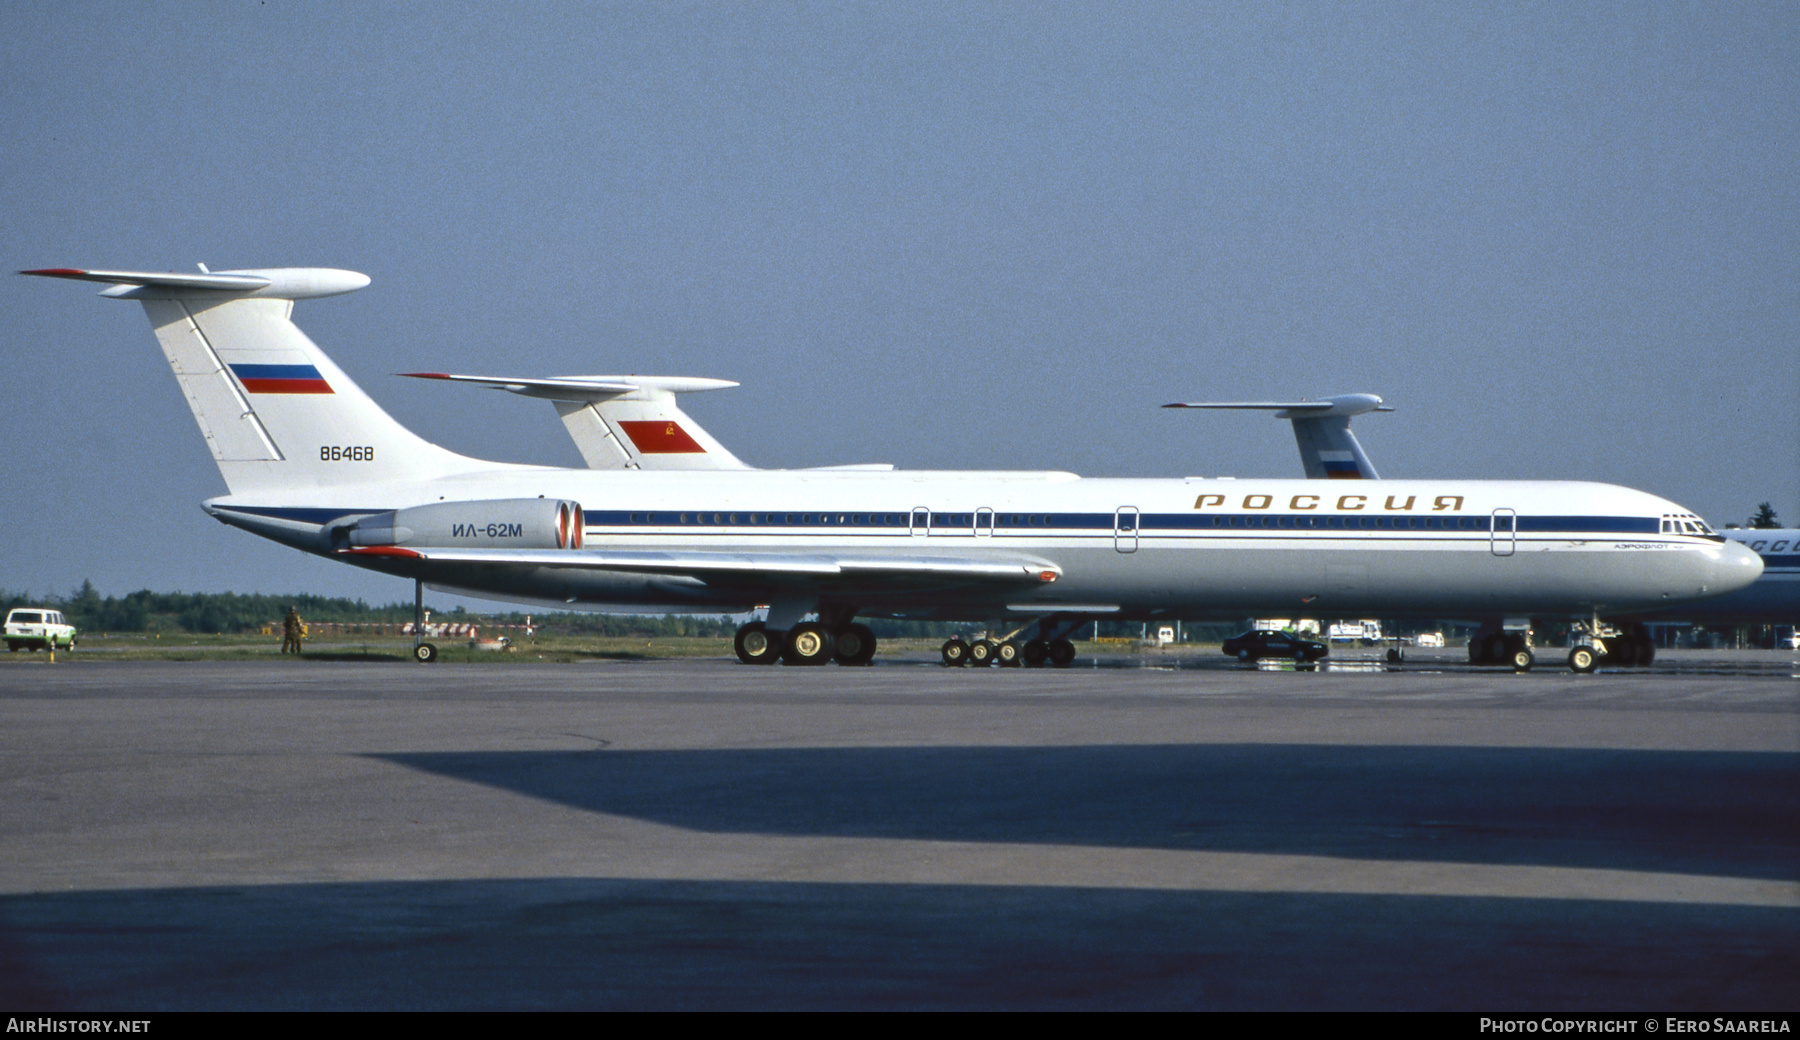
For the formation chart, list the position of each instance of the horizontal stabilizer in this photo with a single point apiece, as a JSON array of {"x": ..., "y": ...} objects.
[
  {"x": 582, "y": 388},
  {"x": 278, "y": 283},
  {"x": 1343, "y": 404},
  {"x": 1328, "y": 449},
  {"x": 621, "y": 422}
]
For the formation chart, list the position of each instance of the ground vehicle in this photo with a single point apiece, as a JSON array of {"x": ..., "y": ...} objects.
[
  {"x": 1263, "y": 643},
  {"x": 37, "y": 628}
]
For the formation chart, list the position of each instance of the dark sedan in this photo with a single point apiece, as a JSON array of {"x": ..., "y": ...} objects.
[{"x": 1253, "y": 645}]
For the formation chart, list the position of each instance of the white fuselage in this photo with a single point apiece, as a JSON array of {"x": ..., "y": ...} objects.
[{"x": 1125, "y": 548}]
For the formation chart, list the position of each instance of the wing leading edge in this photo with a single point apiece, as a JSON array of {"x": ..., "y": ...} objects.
[{"x": 722, "y": 567}]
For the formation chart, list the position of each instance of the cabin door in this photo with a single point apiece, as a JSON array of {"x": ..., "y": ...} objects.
[
  {"x": 1125, "y": 529},
  {"x": 1503, "y": 534}
]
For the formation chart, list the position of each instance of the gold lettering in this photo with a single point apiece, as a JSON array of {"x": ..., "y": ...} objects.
[
  {"x": 1344, "y": 501},
  {"x": 1209, "y": 500},
  {"x": 1251, "y": 501},
  {"x": 1312, "y": 502},
  {"x": 1443, "y": 502},
  {"x": 1408, "y": 505}
]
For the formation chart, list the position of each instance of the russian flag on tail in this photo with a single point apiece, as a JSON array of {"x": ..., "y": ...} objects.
[{"x": 281, "y": 379}]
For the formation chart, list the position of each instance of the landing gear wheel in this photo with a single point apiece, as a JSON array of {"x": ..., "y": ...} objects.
[
  {"x": 807, "y": 644},
  {"x": 425, "y": 653},
  {"x": 1007, "y": 654},
  {"x": 1583, "y": 660},
  {"x": 1395, "y": 657},
  {"x": 981, "y": 653},
  {"x": 1521, "y": 660},
  {"x": 854, "y": 645},
  {"x": 955, "y": 653},
  {"x": 1477, "y": 650},
  {"x": 755, "y": 644},
  {"x": 1037, "y": 651},
  {"x": 1062, "y": 653}
]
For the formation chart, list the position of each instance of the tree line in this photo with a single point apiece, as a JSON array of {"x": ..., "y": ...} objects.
[{"x": 215, "y": 613}]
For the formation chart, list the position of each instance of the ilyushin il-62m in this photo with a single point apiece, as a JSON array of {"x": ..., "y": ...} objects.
[{"x": 309, "y": 460}]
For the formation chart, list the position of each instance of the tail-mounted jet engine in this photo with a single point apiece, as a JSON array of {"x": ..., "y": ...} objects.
[{"x": 507, "y": 523}]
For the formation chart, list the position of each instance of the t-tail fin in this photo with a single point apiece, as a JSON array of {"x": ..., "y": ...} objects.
[
  {"x": 1328, "y": 449},
  {"x": 276, "y": 412},
  {"x": 623, "y": 422}
]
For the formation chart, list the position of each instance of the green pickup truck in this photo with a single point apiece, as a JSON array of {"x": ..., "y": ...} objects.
[{"x": 38, "y": 628}]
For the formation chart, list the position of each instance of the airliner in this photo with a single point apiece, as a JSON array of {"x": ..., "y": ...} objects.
[{"x": 311, "y": 461}]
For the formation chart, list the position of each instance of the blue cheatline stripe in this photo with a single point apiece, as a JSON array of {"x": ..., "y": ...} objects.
[
  {"x": 1029, "y": 523},
  {"x": 1602, "y": 524}
]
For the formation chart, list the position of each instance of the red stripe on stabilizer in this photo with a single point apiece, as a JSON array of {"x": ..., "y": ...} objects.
[
  {"x": 661, "y": 437},
  {"x": 287, "y": 386},
  {"x": 57, "y": 272},
  {"x": 381, "y": 550},
  {"x": 427, "y": 375}
]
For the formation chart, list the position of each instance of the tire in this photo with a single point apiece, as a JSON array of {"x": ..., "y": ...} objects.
[
  {"x": 1394, "y": 657},
  {"x": 1062, "y": 653},
  {"x": 981, "y": 653},
  {"x": 1007, "y": 654},
  {"x": 853, "y": 645},
  {"x": 755, "y": 644},
  {"x": 1244, "y": 655},
  {"x": 1583, "y": 660},
  {"x": 1036, "y": 652},
  {"x": 807, "y": 644},
  {"x": 425, "y": 653},
  {"x": 955, "y": 653},
  {"x": 1521, "y": 660}
]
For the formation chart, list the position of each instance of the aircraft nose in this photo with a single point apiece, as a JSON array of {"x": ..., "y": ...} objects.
[{"x": 1734, "y": 568}]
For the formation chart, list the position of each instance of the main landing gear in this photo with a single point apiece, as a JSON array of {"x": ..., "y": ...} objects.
[
  {"x": 807, "y": 643},
  {"x": 1009, "y": 653}
]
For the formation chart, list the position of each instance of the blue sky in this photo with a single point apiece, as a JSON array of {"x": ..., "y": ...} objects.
[{"x": 1563, "y": 239}]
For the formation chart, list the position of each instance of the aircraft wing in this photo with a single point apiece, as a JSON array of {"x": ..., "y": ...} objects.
[{"x": 724, "y": 566}]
